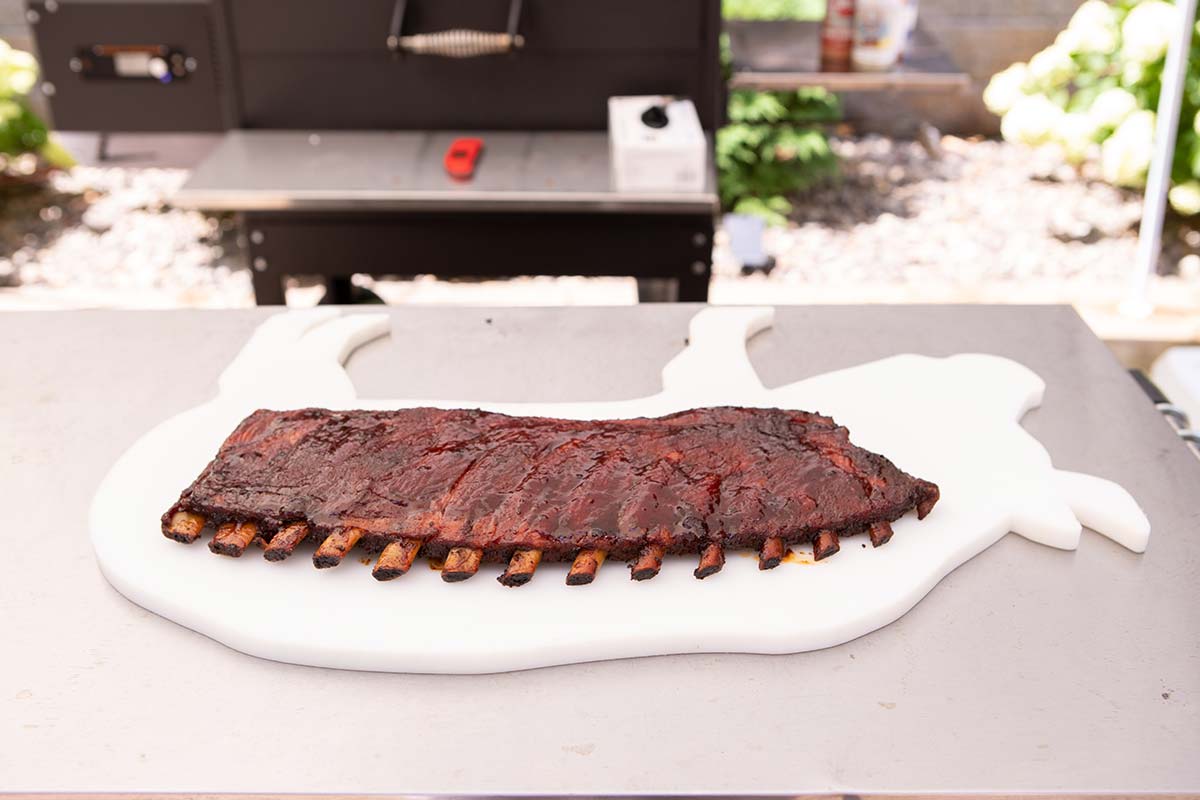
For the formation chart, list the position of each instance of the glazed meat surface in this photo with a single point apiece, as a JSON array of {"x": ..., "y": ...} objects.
[{"x": 497, "y": 485}]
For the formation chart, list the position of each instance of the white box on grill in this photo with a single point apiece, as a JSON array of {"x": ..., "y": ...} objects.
[{"x": 670, "y": 158}]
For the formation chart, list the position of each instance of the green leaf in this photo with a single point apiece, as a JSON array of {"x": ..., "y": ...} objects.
[
  {"x": 54, "y": 154},
  {"x": 1193, "y": 159},
  {"x": 20, "y": 129},
  {"x": 773, "y": 9}
]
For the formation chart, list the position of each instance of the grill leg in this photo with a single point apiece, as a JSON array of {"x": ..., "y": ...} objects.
[
  {"x": 268, "y": 288},
  {"x": 693, "y": 287},
  {"x": 339, "y": 291},
  {"x": 693, "y": 280},
  {"x": 342, "y": 292},
  {"x": 264, "y": 271}
]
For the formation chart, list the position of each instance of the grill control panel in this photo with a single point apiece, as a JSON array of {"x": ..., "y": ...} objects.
[
  {"x": 141, "y": 62},
  {"x": 134, "y": 65}
]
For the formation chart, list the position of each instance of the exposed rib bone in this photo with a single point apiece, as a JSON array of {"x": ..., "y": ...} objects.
[
  {"x": 927, "y": 502},
  {"x": 461, "y": 563},
  {"x": 648, "y": 563},
  {"x": 771, "y": 553},
  {"x": 825, "y": 545},
  {"x": 184, "y": 526},
  {"x": 396, "y": 559},
  {"x": 585, "y": 566},
  {"x": 711, "y": 561},
  {"x": 335, "y": 547},
  {"x": 282, "y": 544},
  {"x": 521, "y": 567},
  {"x": 232, "y": 538},
  {"x": 880, "y": 532}
]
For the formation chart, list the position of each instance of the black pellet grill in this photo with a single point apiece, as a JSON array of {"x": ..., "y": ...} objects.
[{"x": 337, "y": 116}]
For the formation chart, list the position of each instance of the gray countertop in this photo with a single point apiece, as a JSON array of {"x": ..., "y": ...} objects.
[
  {"x": 264, "y": 170},
  {"x": 1026, "y": 670}
]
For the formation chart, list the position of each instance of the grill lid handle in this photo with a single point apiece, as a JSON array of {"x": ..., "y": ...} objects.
[{"x": 456, "y": 43}]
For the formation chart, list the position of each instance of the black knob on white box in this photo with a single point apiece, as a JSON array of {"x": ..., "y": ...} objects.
[{"x": 657, "y": 144}]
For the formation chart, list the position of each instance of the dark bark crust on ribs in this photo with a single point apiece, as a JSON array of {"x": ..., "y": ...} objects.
[{"x": 735, "y": 477}]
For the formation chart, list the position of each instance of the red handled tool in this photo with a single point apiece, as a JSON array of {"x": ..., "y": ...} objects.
[{"x": 461, "y": 157}]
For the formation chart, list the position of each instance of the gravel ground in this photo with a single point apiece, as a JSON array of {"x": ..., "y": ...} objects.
[
  {"x": 107, "y": 237},
  {"x": 984, "y": 211},
  {"x": 899, "y": 225}
]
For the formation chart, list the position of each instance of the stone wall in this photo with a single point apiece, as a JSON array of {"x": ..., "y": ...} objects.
[
  {"x": 984, "y": 37},
  {"x": 12, "y": 24},
  {"x": 15, "y": 30}
]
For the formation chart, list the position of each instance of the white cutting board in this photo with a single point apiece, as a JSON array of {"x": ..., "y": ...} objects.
[{"x": 953, "y": 421}]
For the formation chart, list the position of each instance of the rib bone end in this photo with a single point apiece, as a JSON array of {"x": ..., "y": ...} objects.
[
  {"x": 233, "y": 538},
  {"x": 521, "y": 568},
  {"x": 711, "y": 561},
  {"x": 335, "y": 547},
  {"x": 880, "y": 533},
  {"x": 929, "y": 497},
  {"x": 284, "y": 543},
  {"x": 825, "y": 544},
  {"x": 584, "y": 567},
  {"x": 771, "y": 554},
  {"x": 184, "y": 527},
  {"x": 649, "y": 562},
  {"x": 396, "y": 559},
  {"x": 461, "y": 563}
]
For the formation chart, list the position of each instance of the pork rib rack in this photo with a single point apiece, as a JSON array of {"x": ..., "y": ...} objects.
[{"x": 471, "y": 486}]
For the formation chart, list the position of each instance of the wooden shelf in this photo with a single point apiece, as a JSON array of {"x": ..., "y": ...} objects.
[{"x": 784, "y": 55}]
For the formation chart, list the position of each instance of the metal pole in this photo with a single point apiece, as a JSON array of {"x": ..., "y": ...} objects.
[{"x": 1154, "y": 203}]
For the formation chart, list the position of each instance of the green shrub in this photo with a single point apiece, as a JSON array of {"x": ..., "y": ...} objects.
[
  {"x": 772, "y": 148},
  {"x": 773, "y": 145},
  {"x": 1093, "y": 93}
]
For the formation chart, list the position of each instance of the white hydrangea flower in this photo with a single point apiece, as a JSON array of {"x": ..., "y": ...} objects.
[
  {"x": 1196, "y": 123},
  {"x": 1098, "y": 40},
  {"x": 1132, "y": 72},
  {"x": 1006, "y": 88},
  {"x": 1031, "y": 120},
  {"x": 1092, "y": 29},
  {"x": 1111, "y": 107},
  {"x": 1185, "y": 198},
  {"x": 1147, "y": 31},
  {"x": 1073, "y": 133},
  {"x": 22, "y": 71},
  {"x": 1125, "y": 156},
  {"x": 18, "y": 71},
  {"x": 1069, "y": 40},
  {"x": 1052, "y": 67},
  {"x": 1092, "y": 13}
]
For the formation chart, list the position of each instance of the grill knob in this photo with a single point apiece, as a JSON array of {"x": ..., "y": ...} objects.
[{"x": 655, "y": 117}]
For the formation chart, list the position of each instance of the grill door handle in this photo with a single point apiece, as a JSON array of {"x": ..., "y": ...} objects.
[{"x": 456, "y": 43}]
